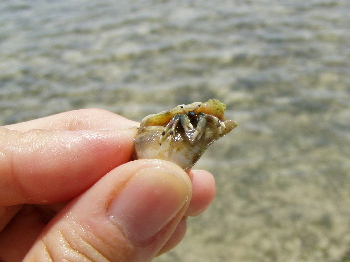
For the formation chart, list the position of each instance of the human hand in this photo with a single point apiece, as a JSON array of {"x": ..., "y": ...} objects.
[{"x": 68, "y": 191}]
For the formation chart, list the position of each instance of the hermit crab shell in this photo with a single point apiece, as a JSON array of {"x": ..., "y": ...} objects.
[{"x": 181, "y": 135}]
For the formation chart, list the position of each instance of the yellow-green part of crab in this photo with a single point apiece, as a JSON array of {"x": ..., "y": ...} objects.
[{"x": 211, "y": 107}]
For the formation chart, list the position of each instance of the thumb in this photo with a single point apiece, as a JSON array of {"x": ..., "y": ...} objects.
[{"x": 128, "y": 215}]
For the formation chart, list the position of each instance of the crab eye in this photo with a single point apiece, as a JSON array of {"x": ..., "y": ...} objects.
[{"x": 191, "y": 114}]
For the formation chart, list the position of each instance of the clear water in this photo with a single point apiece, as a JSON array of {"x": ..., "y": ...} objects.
[{"x": 282, "y": 68}]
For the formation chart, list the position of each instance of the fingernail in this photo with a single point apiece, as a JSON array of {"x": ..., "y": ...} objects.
[{"x": 149, "y": 201}]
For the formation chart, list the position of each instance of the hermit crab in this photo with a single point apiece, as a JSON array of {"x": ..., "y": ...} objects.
[{"x": 181, "y": 135}]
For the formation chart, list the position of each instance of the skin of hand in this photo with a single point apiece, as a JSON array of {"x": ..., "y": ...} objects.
[{"x": 69, "y": 191}]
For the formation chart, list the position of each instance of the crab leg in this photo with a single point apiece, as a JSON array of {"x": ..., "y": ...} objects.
[
  {"x": 169, "y": 129},
  {"x": 200, "y": 129},
  {"x": 186, "y": 123},
  {"x": 216, "y": 122}
]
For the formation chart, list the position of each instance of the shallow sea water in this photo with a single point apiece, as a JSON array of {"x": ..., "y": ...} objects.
[{"x": 282, "y": 68}]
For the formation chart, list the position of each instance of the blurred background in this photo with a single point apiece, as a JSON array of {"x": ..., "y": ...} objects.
[{"x": 282, "y": 69}]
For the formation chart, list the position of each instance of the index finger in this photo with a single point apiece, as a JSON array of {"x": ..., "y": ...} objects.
[
  {"x": 47, "y": 166},
  {"x": 82, "y": 119}
]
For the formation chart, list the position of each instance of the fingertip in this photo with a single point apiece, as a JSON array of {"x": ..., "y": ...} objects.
[
  {"x": 204, "y": 190},
  {"x": 153, "y": 197}
]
